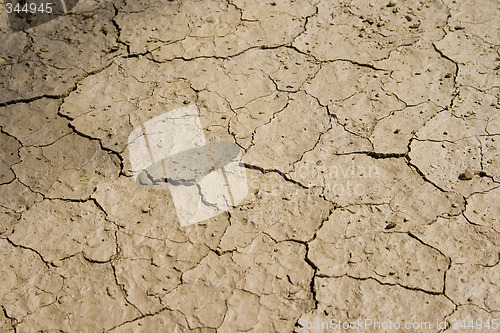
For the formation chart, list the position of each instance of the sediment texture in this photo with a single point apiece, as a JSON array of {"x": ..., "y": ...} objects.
[{"x": 370, "y": 132}]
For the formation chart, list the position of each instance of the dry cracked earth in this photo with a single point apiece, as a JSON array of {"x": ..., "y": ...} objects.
[{"x": 371, "y": 136}]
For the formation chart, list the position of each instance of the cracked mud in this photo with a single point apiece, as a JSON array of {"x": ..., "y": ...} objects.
[{"x": 370, "y": 133}]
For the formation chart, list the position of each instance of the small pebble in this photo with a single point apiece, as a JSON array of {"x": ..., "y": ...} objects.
[
  {"x": 467, "y": 175},
  {"x": 391, "y": 4},
  {"x": 390, "y": 225}
]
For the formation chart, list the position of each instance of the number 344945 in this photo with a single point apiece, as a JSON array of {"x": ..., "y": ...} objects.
[
  {"x": 32, "y": 8},
  {"x": 474, "y": 324}
]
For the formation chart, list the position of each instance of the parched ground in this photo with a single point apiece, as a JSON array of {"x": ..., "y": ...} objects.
[{"x": 371, "y": 136}]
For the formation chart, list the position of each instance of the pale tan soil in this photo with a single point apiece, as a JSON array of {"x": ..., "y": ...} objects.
[{"x": 358, "y": 121}]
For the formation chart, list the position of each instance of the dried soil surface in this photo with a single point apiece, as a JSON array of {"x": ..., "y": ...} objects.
[{"x": 371, "y": 136}]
